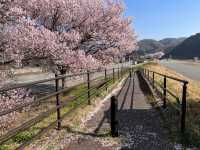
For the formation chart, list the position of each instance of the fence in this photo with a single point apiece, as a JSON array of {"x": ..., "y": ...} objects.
[
  {"x": 181, "y": 102},
  {"x": 93, "y": 86}
]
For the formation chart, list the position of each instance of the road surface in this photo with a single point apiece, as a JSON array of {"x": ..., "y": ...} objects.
[
  {"x": 36, "y": 76},
  {"x": 187, "y": 69},
  {"x": 44, "y": 88}
]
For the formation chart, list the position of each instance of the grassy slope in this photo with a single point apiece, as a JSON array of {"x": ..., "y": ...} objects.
[{"x": 192, "y": 136}]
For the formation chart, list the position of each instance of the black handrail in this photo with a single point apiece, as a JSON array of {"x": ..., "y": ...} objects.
[
  {"x": 162, "y": 87},
  {"x": 183, "y": 103},
  {"x": 109, "y": 78},
  {"x": 39, "y": 118},
  {"x": 170, "y": 77}
]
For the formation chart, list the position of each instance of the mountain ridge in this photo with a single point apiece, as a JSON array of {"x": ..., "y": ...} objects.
[
  {"x": 149, "y": 46},
  {"x": 188, "y": 49}
]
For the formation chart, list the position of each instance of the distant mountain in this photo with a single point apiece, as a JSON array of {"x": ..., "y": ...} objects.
[
  {"x": 188, "y": 49},
  {"x": 171, "y": 43},
  {"x": 149, "y": 46}
]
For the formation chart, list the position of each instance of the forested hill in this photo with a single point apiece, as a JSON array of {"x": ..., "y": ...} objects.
[
  {"x": 149, "y": 46},
  {"x": 171, "y": 43},
  {"x": 188, "y": 49}
]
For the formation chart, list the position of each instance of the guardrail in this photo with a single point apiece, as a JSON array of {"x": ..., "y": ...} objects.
[
  {"x": 109, "y": 76},
  {"x": 181, "y": 102}
]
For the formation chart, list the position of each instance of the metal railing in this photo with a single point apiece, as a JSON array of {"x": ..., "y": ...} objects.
[
  {"x": 109, "y": 77},
  {"x": 181, "y": 102}
]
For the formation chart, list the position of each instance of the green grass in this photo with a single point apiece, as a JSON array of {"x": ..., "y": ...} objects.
[{"x": 23, "y": 136}]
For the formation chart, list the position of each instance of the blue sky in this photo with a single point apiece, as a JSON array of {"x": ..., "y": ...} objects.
[{"x": 159, "y": 19}]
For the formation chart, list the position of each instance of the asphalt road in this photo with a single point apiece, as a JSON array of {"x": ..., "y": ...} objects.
[
  {"x": 36, "y": 76},
  {"x": 44, "y": 88},
  {"x": 187, "y": 69}
]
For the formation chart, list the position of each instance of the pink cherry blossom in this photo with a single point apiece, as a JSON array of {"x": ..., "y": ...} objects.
[
  {"x": 11, "y": 99},
  {"x": 68, "y": 32},
  {"x": 75, "y": 34}
]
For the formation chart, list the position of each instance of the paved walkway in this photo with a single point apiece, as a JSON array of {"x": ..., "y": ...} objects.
[{"x": 140, "y": 126}]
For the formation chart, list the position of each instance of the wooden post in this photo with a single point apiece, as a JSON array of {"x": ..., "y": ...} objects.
[
  {"x": 114, "y": 122},
  {"x": 153, "y": 80},
  {"x": 88, "y": 86},
  {"x": 183, "y": 109},
  {"x": 58, "y": 104},
  {"x": 106, "y": 79},
  {"x": 165, "y": 92}
]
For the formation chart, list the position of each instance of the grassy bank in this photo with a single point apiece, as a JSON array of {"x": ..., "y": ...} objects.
[{"x": 192, "y": 135}]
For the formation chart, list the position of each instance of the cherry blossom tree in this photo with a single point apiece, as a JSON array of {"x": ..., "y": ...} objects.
[
  {"x": 10, "y": 99},
  {"x": 70, "y": 33},
  {"x": 4, "y": 9},
  {"x": 5, "y": 20}
]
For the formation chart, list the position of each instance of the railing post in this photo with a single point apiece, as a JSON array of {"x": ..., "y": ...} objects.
[
  {"x": 106, "y": 79},
  {"x": 130, "y": 74},
  {"x": 148, "y": 74},
  {"x": 88, "y": 86},
  {"x": 113, "y": 75},
  {"x": 58, "y": 104},
  {"x": 183, "y": 109},
  {"x": 114, "y": 122},
  {"x": 165, "y": 92},
  {"x": 153, "y": 80}
]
